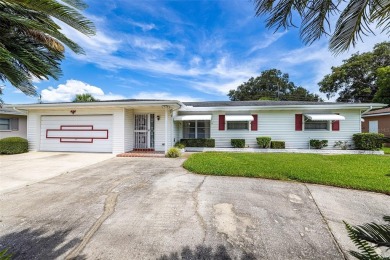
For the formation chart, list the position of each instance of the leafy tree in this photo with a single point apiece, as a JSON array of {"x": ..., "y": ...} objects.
[
  {"x": 356, "y": 79},
  {"x": 354, "y": 18},
  {"x": 383, "y": 82},
  {"x": 368, "y": 237},
  {"x": 31, "y": 42},
  {"x": 84, "y": 98},
  {"x": 271, "y": 85}
]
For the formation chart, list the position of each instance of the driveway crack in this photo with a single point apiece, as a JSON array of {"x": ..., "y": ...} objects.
[
  {"x": 195, "y": 195},
  {"x": 109, "y": 208},
  {"x": 327, "y": 224}
]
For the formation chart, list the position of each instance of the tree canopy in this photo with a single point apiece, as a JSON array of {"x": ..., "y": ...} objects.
[
  {"x": 354, "y": 18},
  {"x": 31, "y": 42},
  {"x": 86, "y": 97},
  {"x": 356, "y": 80},
  {"x": 383, "y": 83},
  {"x": 272, "y": 84}
]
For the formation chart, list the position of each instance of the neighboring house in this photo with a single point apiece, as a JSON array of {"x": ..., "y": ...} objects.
[
  {"x": 124, "y": 125},
  {"x": 12, "y": 123},
  {"x": 377, "y": 121}
]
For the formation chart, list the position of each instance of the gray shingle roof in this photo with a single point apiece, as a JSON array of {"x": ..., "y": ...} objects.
[
  {"x": 379, "y": 111},
  {"x": 253, "y": 103},
  {"x": 8, "y": 111}
]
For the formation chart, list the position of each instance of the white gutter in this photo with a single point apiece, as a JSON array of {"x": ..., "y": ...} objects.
[
  {"x": 19, "y": 111},
  {"x": 379, "y": 114},
  {"x": 369, "y": 109},
  {"x": 96, "y": 104},
  {"x": 285, "y": 107}
]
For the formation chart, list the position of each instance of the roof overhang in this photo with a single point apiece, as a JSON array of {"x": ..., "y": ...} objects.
[
  {"x": 239, "y": 118},
  {"x": 105, "y": 104},
  {"x": 192, "y": 117},
  {"x": 379, "y": 114},
  {"x": 324, "y": 117},
  {"x": 324, "y": 106}
]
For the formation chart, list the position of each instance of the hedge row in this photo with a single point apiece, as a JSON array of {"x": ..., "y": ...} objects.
[
  {"x": 13, "y": 145},
  {"x": 198, "y": 142}
]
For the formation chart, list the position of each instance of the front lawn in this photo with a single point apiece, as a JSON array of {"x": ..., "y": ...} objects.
[
  {"x": 363, "y": 172},
  {"x": 386, "y": 150}
]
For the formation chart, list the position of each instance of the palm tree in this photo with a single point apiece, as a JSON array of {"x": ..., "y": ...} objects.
[
  {"x": 368, "y": 237},
  {"x": 84, "y": 98},
  {"x": 353, "y": 21},
  {"x": 31, "y": 43}
]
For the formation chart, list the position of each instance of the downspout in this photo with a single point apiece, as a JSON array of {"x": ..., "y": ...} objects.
[
  {"x": 366, "y": 111},
  {"x": 173, "y": 122}
]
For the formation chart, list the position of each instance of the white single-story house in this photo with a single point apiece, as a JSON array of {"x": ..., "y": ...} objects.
[
  {"x": 12, "y": 123},
  {"x": 125, "y": 125}
]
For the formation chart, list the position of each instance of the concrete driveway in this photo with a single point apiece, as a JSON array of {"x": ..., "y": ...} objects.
[
  {"x": 24, "y": 169},
  {"x": 151, "y": 208}
]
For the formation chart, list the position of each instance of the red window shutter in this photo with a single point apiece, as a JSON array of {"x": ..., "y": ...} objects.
[
  {"x": 221, "y": 122},
  {"x": 254, "y": 123},
  {"x": 298, "y": 122},
  {"x": 336, "y": 125}
]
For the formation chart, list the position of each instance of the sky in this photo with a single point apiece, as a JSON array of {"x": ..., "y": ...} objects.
[{"x": 187, "y": 50}]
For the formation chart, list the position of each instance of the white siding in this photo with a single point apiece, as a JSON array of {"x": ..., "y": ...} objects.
[
  {"x": 129, "y": 130},
  {"x": 280, "y": 125},
  {"x": 34, "y": 125},
  {"x": 22, "y": 132}
]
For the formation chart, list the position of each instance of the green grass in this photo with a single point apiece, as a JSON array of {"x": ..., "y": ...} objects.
[
  {"x": 386, "y": 150},
  {"x": 363, "y": 172}
]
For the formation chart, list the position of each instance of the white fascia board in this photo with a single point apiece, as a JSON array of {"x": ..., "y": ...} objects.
[
  {"x": 128, "y": 104},
  {"x": 379, "y": 114},
  {"x": 192, "y": 117},
  {"x": 286, "y": 107}
]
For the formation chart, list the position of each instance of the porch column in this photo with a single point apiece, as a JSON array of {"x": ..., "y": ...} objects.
[{"x": 166, "y": 128}]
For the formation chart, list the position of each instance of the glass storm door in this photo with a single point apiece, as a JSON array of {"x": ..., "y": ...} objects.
[{"x": 144, "y": 131}]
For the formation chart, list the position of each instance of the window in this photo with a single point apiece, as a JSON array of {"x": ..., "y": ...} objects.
[
  {"x": 5, "y": 124},
  {"x": 316, "y": 125},
  {"x": 237, "y": 125},
  {"x": 196, "y": 129}
]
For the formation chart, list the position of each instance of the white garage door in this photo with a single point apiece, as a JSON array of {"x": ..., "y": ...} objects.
[{"x": 76, "y": 133}]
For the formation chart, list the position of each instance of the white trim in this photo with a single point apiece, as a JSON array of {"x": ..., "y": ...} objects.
[
  {"x": 192, "y": 118},
  {"x": 229, "y": 118},
  {"x": 324, "y": 117},
  {"x": 379, "y": 114}
]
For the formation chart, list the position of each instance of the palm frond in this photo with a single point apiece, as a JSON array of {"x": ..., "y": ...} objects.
[
  {"x": 353, "y": 22},
  {"x": 315, "y": 22}
]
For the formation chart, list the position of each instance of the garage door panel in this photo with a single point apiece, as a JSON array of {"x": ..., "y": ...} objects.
[{"x": 76, "y": 133}]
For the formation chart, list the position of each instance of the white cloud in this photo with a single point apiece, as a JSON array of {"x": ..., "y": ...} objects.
[
  {"x": 268, "y": 40},
  {"x": 144, "y": 26},
  {"x": 66, "y": 92}
]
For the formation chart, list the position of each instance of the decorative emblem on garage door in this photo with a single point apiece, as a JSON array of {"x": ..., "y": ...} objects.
[{"x": 77, "y": 134}]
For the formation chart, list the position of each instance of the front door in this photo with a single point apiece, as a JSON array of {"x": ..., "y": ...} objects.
[{"x": 144, "y": 131}]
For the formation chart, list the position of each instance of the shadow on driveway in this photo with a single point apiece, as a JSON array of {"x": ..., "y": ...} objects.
[
  {"x": 205, "y": 253},
  {"x": 38, "y": 244}
]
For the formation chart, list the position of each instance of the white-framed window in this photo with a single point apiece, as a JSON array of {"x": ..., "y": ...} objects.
[
  {"x": 5, "y": 124},
  {"x": 196, "y": 129},
  {"x": 237, "y": 125},
  {"x": 316, "y": 125}
]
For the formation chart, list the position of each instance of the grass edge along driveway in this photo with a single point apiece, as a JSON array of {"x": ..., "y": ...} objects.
[{"x": 362, "y": 172}]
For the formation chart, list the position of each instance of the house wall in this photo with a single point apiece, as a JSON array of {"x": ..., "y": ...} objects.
[
  {"x": 129, "y": 129},
  {"x": 34, "y": 125},
  {"x": 159, "y": 133},
  {"x": 22, "y": 132},
  {"x": 280, "y": 125},
  {"x": 383, "y": 125}
]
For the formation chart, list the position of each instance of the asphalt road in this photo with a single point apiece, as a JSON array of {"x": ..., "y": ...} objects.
[{"x": 151, "y": 208}]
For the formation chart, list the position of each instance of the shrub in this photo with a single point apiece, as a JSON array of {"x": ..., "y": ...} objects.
[
  {"x": 264, "y": 141},
  {"x": 368, "y": 141},
  {"x": 173, "y": 152},
  {"x": 318, "y": 144},
  {"x": 179, "y": 145},
  {"x": 343, "y": 145},
  {"x": 13, "y": 145},
  {"x": 198, "y": 142},
  {"x": 278, "y": 144},
  {"x": 238, "y": 143}
]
